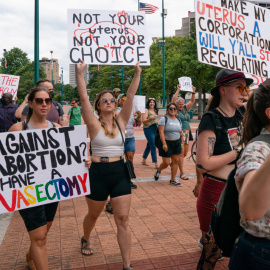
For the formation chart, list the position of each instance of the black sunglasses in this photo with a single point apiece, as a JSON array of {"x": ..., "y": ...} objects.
[
  {"x": 172, "y": 109},
  {"x": 41, "y": 100},
  {"x": 72, "y": 103},
  {"x": 105, "y": 100}
]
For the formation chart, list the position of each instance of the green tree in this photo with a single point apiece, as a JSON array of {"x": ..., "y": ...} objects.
[
  {"x": 69, "y": 92},
  {"x": 26, "y": 74},
  {"x": 16, "y": 59}
]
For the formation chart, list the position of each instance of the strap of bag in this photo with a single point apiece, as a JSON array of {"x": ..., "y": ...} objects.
[{"x": 122, "y": 139}]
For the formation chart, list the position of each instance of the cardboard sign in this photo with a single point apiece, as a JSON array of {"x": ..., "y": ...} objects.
[
  {"x": 138, "y": 104},
  {"x": 103, "y": 37},
  {"x": 233, "y": 35},
  {"x": 186, "y": 84},
  {"x": 9, "y": 84},
  {"x": 42, "y": 166}
]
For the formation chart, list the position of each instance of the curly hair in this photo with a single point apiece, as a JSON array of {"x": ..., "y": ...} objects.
[{"x": 103, "y": 124}]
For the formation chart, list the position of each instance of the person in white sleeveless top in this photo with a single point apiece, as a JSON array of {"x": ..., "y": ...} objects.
[{"x": 108, "y": 174}]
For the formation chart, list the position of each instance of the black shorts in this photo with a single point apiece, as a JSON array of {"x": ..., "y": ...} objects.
[
  {"x": 108, "y": 179},
  {"x": 38, "y": 216},
  {"x": 174, "y": 148}
]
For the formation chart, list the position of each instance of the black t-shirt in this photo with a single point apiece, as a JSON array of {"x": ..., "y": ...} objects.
[{"x": 228, "y": 140}]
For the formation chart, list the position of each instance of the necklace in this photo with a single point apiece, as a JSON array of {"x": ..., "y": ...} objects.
[{"x": 224, "y": 112}]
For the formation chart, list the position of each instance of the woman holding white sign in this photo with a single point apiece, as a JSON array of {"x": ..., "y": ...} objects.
[
  {"x": 108, "y": 173},
  {"x": 185, "y": 118},
  {"x": 38, "y": 220}
]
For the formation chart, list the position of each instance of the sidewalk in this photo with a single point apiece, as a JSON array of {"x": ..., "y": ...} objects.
[{"x": 163, "y": 222}]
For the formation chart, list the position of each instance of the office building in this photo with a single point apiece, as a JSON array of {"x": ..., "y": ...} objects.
[
  {"x": 72, "y": 75},
  {"x": 187, "y": 23},
  {"x": 51, "y": 68}
]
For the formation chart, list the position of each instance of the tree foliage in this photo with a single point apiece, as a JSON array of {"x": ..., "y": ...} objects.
[{"x": 16, "y": 59}]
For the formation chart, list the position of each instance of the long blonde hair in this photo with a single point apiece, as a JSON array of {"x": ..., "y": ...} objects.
[{"x": 103, "y": 124}]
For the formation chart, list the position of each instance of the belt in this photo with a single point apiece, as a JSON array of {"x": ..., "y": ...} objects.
[{"x": 105, "y": 159}]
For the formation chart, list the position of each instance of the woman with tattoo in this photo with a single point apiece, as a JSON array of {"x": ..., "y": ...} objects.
[{"x": 217, "y": 149}]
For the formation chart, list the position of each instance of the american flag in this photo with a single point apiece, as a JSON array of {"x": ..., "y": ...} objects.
[
  {"x": 5, "y": 63},
  {"x": 147, "y": 8}
]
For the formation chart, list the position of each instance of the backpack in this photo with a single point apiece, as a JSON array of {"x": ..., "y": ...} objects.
[
  {"x": 71, "y": 112},
  {"x": 157, "y": 136},
  {"x": 225, "y": 219},
  {"x": 57, "y": 106}
]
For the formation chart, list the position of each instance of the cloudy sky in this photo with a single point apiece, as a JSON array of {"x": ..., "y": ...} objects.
[{"x": 17, "y": 23}]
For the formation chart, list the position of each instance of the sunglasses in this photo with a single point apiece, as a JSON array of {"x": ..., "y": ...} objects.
[
  {"x": 240, "y": 88},
  {"x": 72, "y": 103},
  {"x": 152, "y": 99},
  {"x": 40, "y": 101},
  {"x": 123, "y": 98},
  {"x": 105, "y": 100},
  {"x": 172, "y": 109}
]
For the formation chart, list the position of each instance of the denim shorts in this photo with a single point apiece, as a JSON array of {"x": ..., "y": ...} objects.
[
  {"x": 250, "y": 253},
  {"x": 130, "y": 144}
]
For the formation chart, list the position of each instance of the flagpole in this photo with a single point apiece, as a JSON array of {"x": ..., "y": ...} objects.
[
  {"x": 5, "y": 61},
  {"x": 140, "y": 87},
  {"x": 163, "y": 56}
]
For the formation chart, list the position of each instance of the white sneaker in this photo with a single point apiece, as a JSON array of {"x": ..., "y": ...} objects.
[
  {"x": 157, "y": 174},
  {"x": 175, "y": 183},
  {"x": 200, "y": 243}
]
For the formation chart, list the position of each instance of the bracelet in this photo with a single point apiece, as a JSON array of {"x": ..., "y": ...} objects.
[
  {"x": 193, "y": 93},
  {"x": 238, "y": 150}
]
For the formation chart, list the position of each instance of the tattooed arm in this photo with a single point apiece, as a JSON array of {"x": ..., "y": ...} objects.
[{"x": 206, "y": 161}]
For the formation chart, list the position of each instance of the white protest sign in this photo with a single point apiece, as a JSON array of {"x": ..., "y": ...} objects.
[
  {"x": 256, "y": 80},
  {"x": 233, "y": 35},
  {"x": 186, "y": 84},
  {"x": 9, "y": 84},
  {"x": 107, "y": 37},
  {"x": 42, "y": 166},
  {"x": 138, "y": 104}
]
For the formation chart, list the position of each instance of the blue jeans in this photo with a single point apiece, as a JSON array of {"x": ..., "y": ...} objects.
[
  {"x": 150, "y": 136},
  {"x": 250, "y": 253}
]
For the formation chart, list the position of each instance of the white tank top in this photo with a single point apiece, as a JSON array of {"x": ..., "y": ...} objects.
[{"x": 103, "y": 146}]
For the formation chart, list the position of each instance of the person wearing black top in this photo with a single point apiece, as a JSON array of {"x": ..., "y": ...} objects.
[{"x": 218, "y": 146}]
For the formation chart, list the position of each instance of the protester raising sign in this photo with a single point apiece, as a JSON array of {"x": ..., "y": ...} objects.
[
  {"x": 186, "y": 84},
  {"x": 9, "y": 84},
  {"x": 42, "y": 166},
  {"x": 233, "y": 35},
  {"x": 107, "y": 37}
]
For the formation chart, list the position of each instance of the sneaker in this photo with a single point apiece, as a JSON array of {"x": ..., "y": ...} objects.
[
  {"x": 200, "y": 243},
  {"x": 157, "y": 174},
  {"x": 133, "y": 186},
  {"x": 175, "y": 183},
  {"x": 220, "y": 257},
  {"x": 128, "y": 268}
]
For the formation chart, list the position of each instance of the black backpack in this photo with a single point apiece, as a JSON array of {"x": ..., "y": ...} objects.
[
  {"x": 225, "y": 219},
  {"x": 157, "y": 136},
  {"x": 71, "y": 112}
]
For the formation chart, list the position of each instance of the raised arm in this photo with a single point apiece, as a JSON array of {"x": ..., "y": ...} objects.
[
  {"x": 192, "y": 100},
  {"x": 254, "y": 199},
  {"x": 90, "y": 120},
  {"x": 18, "y": 113},
  {"x": 206, "y": 161},
  {"x": 125, "y": 113},
  {"x": 175, "y": 96}
]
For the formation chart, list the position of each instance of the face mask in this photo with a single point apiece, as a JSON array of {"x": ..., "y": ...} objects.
[
  {"x": 5, "y": 101},
  {"x": 51, "y": 94}
]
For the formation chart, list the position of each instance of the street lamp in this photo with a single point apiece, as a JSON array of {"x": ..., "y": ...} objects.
[
  {"x": 36, "y": 40},
  {"x": 163, "y": 14},
  {"x": 52, "y": 66},
  {"x": 5, "y": 61},
  {"x": 62, "y": 86}
]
